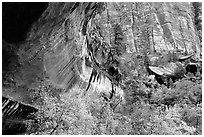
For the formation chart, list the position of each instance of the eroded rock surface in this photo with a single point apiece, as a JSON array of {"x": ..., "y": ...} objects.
[
  {"x": 57, "y": 40},
  {"x": 98, "y": 45}
]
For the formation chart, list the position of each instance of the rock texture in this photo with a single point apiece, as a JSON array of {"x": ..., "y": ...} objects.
[
  {"x": 55, "y": 41},
  {"x": 58, "y": 40},
  {"x": 155, "y": 26},
  {"x": 14, "y": 116},
  {"x": 109, "y": 46}
]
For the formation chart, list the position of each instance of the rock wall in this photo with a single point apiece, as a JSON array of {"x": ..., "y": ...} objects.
[
  {"x": 14, "y": 116},
  {"x": 56, "y": 41},
  {"x": 155, "y": 26}
]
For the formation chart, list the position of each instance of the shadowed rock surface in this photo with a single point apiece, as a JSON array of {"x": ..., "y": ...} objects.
[
  {"x": 57, "y": 39},
  {"x": 100, "y": 46},
  {"x": 14, "y": 116}
]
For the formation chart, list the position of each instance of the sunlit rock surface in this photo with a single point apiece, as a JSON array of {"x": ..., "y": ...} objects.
[
  {"x": 55, "y": 52},
  {"x": 55, "y": 43},
  {"x": 156, "y": 26}
]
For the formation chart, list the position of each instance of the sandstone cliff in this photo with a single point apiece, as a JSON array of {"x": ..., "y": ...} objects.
[
  {"x": 56, "y": 40},
  {"x": 107, "y": 68}
]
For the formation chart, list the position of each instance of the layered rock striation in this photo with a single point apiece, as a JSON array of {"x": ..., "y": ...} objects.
[{"x": 57, "y": 42}]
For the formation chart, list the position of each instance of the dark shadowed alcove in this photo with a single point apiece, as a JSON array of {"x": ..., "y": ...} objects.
[{"x": 17, "y": 18}]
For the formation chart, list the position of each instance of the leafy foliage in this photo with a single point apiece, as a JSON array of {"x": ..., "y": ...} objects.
[
  {"x": 72, "y": 114},
  {"x": 149, "y": 108},
  {"x": 156, "y": 109}
]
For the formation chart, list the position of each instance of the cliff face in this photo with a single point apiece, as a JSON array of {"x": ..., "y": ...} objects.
[
  {"x": 57, "y": 41},
  {"x": 113, "y": 46},
  {"x": 155, "y": 26}
]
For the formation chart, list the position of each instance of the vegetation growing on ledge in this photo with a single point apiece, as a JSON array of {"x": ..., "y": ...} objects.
[
  {"x": 149, "y": 109},
  {"x": 109, "y": 69}
]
